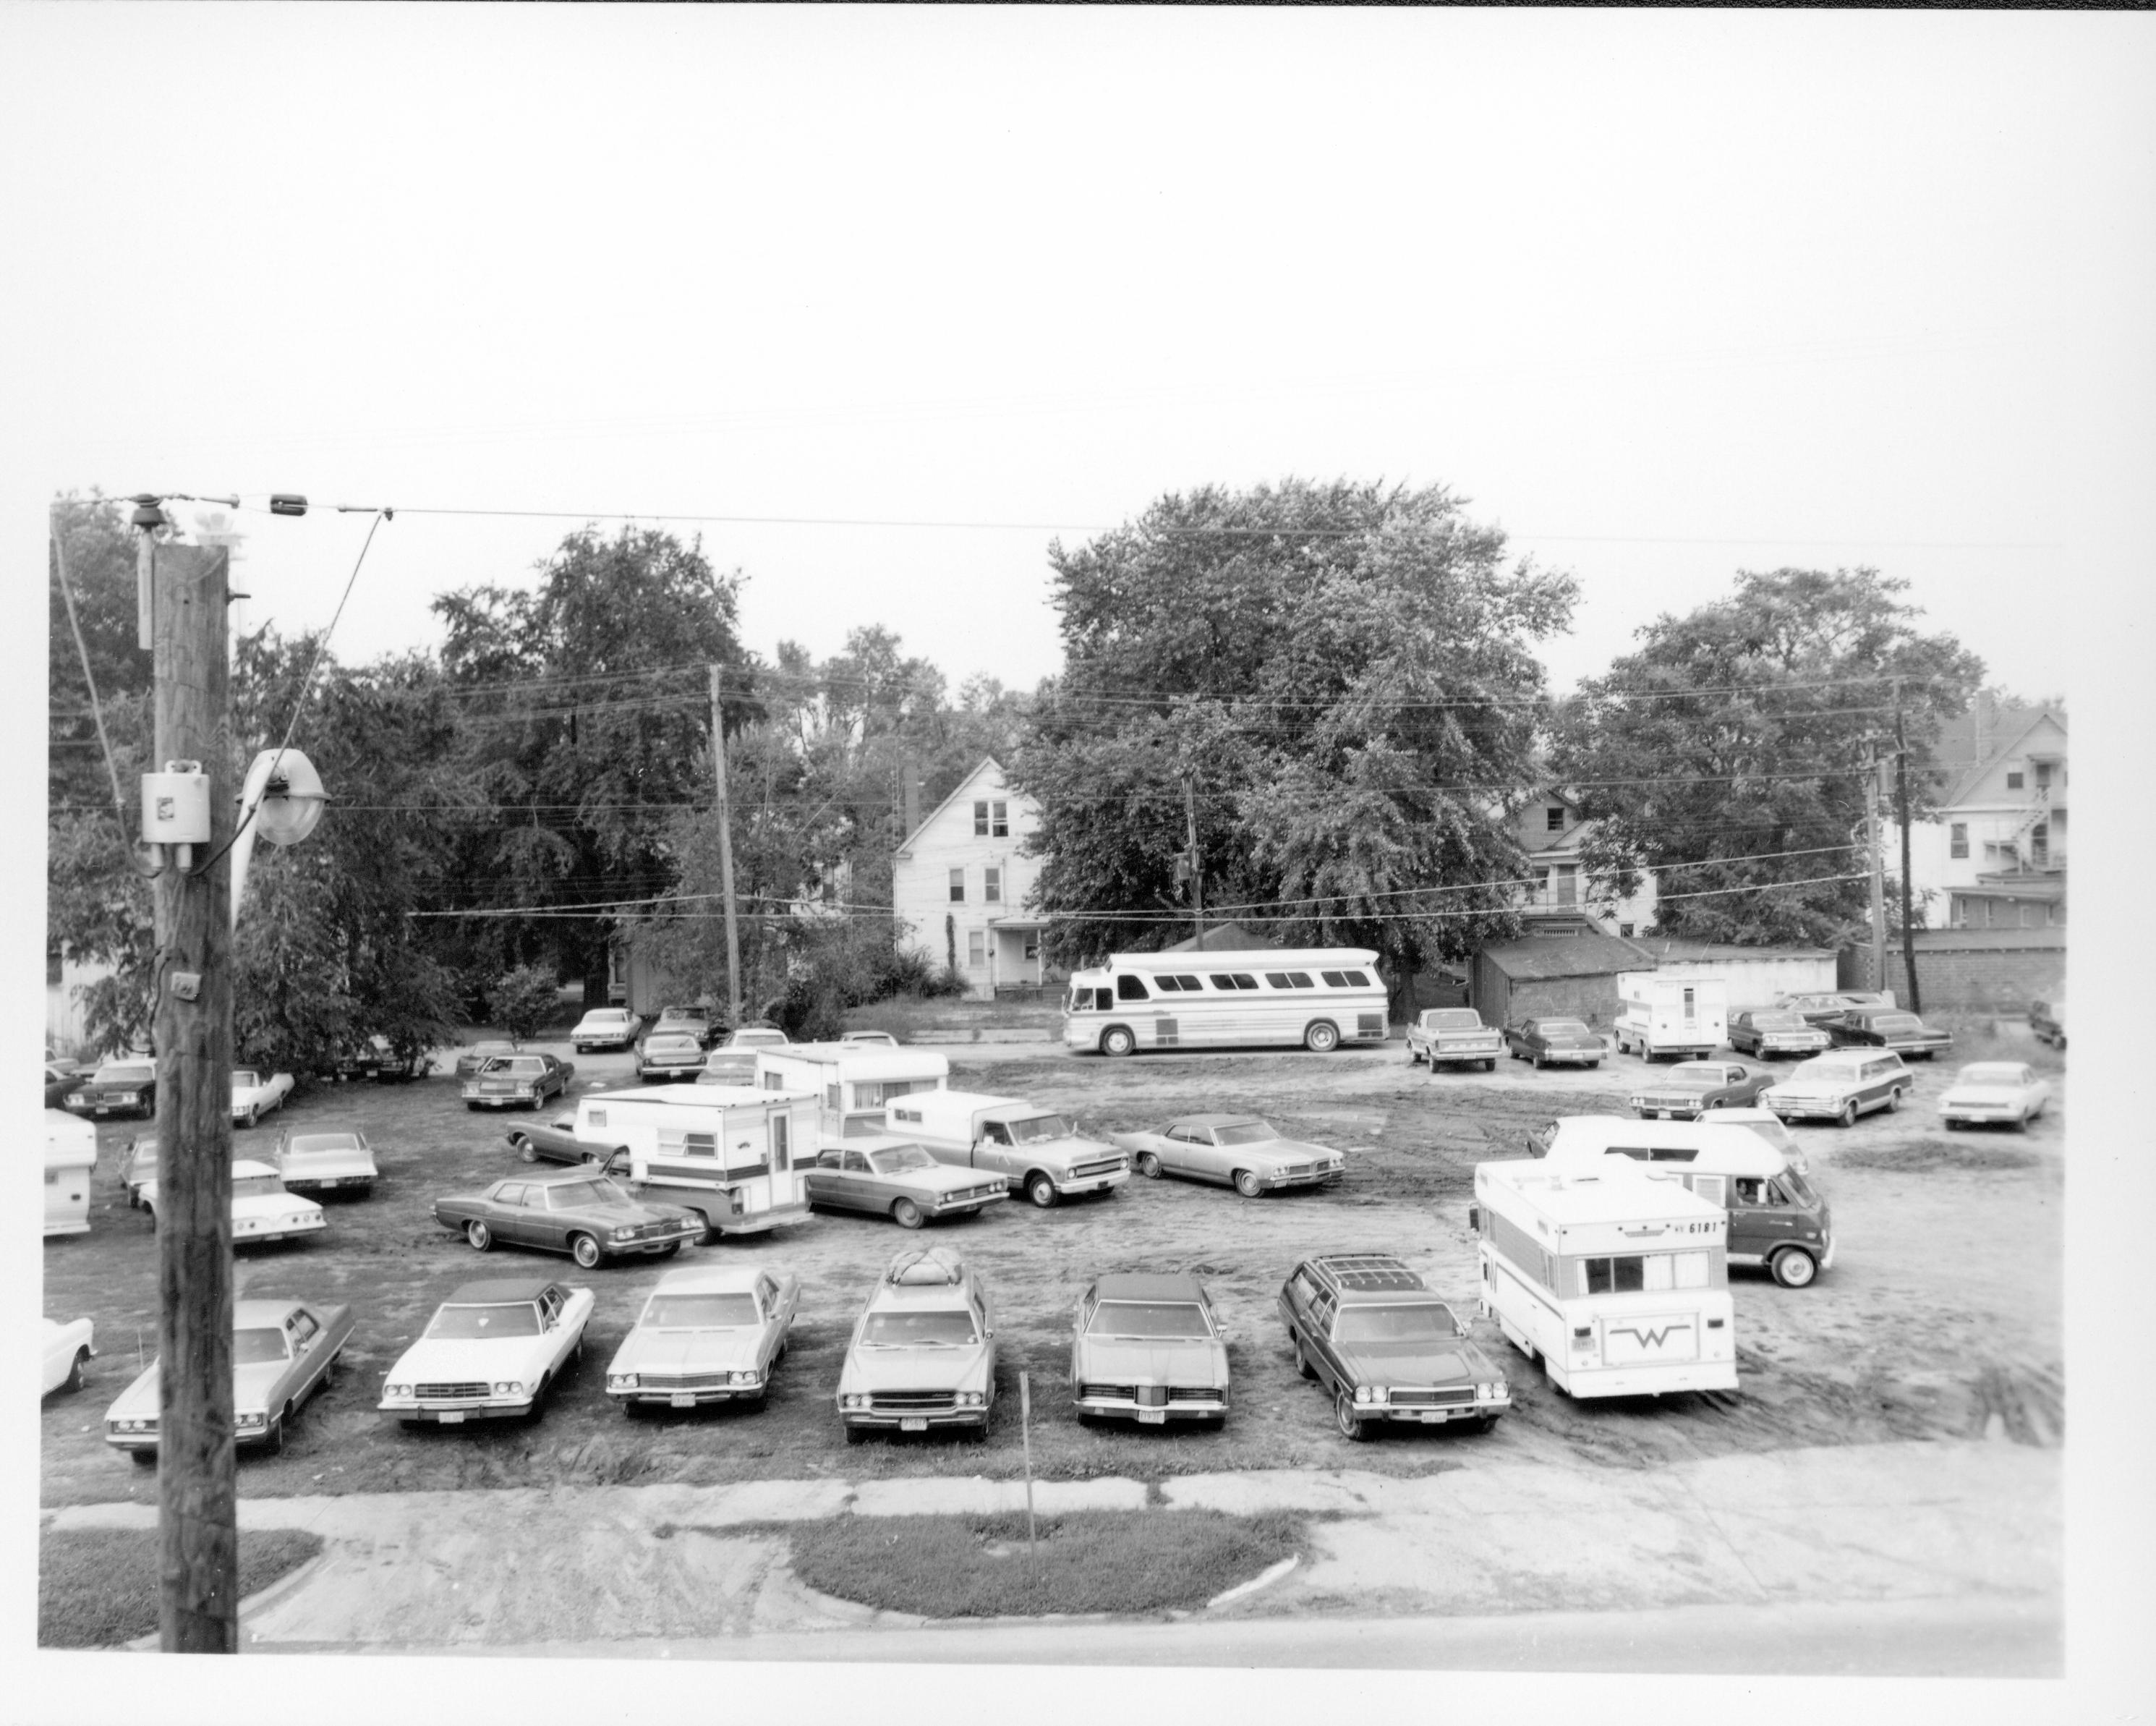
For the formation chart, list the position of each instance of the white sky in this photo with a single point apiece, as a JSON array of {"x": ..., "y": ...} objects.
[{"x": 1664, "y": 295}]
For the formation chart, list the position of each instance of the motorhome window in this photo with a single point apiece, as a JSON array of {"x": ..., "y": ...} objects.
[
  {"x": 1233, "y": 980},
  {"x": 1673, "y": 1153},
  {"x": 1516, "y": 1245},
  {"x": 1243, "y": 979},
  {"x": 1712, "y": 1188},
  {"x": 1692, "y": 1270},
  {"x": 1277, "y": 979},
  {"x": 1624, "y": 1274},
  {"x": 1189, "y": 984},
  {"x": 781, "y": 1148},
  {"x": 1130, "y": 988},
  {"x": 832, "y": 1100},
  {"x": 905, "y": 1115},
  {"x": 1300, "y": 980}
]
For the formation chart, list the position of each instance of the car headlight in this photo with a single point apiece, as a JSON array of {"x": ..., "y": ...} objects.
[
  {"x": 1370, "y": 1393},
  {"x": 127, "y": 1097},
  {"x": 745, "y": 1378},
  {"x": 1498, "y": 1391},
  {"x": 853, "y": 1402},
  {"x": 245, "y": 1421},
  {"x": 971, "y": 1399},
  {"x": 626, "y": 1233},
  {"x": 508, "y": 1387},
  {"x": 621, "y": 1381}
]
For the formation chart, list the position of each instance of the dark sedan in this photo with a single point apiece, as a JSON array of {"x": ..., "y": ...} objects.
[
  {"x": 1886, "y": 1028},
  {"x": 62, "y": 1079},
  {"x": 666, "y": 1055},
  {"x": 696, "y": 1021},
  {"x": 1691, "y": 1088},
  {"x": 119, "y": 1087},
  {"x": 558, "y": 1142},
  {"x": 585, "y": 1215},
  {"x": 518, "y": 1080},
  {"x": 1776, "y": 1031},
  {"x": 1555, "y": 1042}
]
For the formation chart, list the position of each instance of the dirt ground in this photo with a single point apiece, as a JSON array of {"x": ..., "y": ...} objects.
[{"x": 1941, "y": 1317}]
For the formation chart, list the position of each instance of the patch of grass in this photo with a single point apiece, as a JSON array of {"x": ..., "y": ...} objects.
[
  {"x": 97, "y": 1588},
  {"x": 1985, "y": 1036},
  {"x": 929, "y": 1021},
  {"x": 1090, "y": 1561},
  {"x": 1922, "y": 1156}
]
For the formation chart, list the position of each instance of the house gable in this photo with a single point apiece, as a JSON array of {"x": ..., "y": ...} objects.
[{"x": 2040, "y": 743}]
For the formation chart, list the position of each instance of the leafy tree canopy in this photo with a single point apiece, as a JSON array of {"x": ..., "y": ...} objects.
[
  {"x": 1342, "y": 674},
  {"x": 1742, "y": 729}
]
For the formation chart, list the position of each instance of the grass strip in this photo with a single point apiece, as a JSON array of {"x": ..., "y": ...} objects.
[
  {"x": 97, "y": 1588},
  {"x": 1922, "y": 1158},
  {"x": 1086, "y": 1561}
]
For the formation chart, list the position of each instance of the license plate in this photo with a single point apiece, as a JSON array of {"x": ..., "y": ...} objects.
[
  {"x": 683, "y": 1400},
  {"x": 453, "y": 1417},
  {"x": 913, "y": 1423},
  {"x": 1152, "y": 1417},
  {"x": 1429, "y": 1415}
]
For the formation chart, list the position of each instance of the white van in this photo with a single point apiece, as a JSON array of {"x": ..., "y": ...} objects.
[
  {"x": 734, "y": 1155},
  {"x": 1777, "y": 1220},
  {"x": 1674, "y": 1016},
  {"x": 1039, "y": 1151},
  {"x": 71, "y": 1155},
  {"x": 855, "y": 1081}
]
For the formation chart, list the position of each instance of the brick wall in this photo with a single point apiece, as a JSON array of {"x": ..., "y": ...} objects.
[{"x": 1959, "y": 974}]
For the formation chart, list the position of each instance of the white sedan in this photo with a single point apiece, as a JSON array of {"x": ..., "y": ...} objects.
[
  {"x": 68, "y": 1350},
  {"x": 262, "y": 1211},
  {"x": 254, "y": 1093},
  {"x": 1986, "y": 1091},
  {"x": 317, "y": 1162},
  {"x": 491, "y": 1352}
]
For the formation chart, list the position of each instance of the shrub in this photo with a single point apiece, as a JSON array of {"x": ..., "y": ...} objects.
[{"x": 523, "y": 1000}]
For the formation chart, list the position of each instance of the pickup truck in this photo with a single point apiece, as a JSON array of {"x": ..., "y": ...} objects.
[
  {"x": 1038, "y": 1150},
  {"x": 1444, "y": 1037}
]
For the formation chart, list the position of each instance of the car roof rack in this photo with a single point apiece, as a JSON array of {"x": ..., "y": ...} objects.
[
  {"x": 925, "y": 1267},
  {"x": 1371, "y": 1270}
]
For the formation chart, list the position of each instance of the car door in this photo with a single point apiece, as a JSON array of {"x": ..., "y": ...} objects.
[
  {"x": 1749, "y": 1231},
  {"x": 858, "y": 1184},
  {"x": 502, "y": 1210},
  {"x": 995, "y": 1149},
  {"x": 557, "y": 1336},
  {"x": 309, "y": 1356},
  {"x": 1086, "y": 1302},
  {"x": 1181, "y": 1150}
]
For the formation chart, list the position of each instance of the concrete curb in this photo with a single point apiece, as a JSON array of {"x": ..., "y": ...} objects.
[{"x": 1264, "y": 1578}]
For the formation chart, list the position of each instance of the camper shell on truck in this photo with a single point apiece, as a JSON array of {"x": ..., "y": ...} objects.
[
  {"x": 1618, "y": 1282},
  {"x": 1662, "y": 1016},
  {"x": 733, "y": 1155},
  {"x": 1778, "y": 1221},
  {"x": 1039, "y": 1151},
  {"x": 71, "y": 1155},
  {"x": 855, "y": 1081}
]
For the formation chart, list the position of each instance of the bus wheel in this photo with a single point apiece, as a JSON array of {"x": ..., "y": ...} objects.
[
  {"x": 1323, "y": 1038},
  {"x": 1793, "y": 1267},
  {"x": 1115, "y": 1039},
  {"x": 1343, "y": 1417}
]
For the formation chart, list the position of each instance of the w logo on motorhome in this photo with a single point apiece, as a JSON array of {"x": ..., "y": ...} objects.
[{"x": 1650, "y": 1337}]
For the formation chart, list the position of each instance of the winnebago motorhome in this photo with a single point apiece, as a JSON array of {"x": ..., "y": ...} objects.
[
  {"x": 733, "y": 1155},
  {"x": 1038, "y": 1150},
  {"x": 1313, "y": 998},
  {"x": 1672, "y": 1016},
  {"x": 71, "y": 1155},
  {"x": 1777, "y": 1219},
  {"x": 1618, "y": 1283},
  {"x": 855, "y": 1081}
]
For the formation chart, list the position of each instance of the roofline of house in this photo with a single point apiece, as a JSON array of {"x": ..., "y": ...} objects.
[{"x": 957, "y": 792}]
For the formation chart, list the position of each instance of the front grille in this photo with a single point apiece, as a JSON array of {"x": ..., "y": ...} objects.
[
  {"x": 450, "y": 1393},
  {"x": 1433, "y": 1399},
  {"x": 1115, "y": 1393},
  {"x": 966, "y": 1195},
  {"x": 912, "y": 1402},
  {"x": 681, "y": 1381},
  {"x": 1083, "y": 1171},
  {"x": 1194, "y": 1393}
]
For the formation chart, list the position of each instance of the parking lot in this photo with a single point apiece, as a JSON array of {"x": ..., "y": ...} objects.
[{"x": 1941, "y": 1317}]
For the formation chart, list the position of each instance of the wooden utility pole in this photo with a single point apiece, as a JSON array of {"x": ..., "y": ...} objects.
[
  {"x": 198, "y": 1540},
  {"x": 725, "y": 857},
  {"x": 1916, "y": 1001},
  {"x": 1197, "y": 875},
  {"x": 1872, "y": 793}
]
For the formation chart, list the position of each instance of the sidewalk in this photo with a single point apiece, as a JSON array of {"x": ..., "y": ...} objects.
[{"x": 633, "y": 1568}]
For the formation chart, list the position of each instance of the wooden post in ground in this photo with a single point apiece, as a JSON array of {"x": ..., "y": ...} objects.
[
  {"x": 198, "y": 1541},
  {"x": 725, "y": 858}
]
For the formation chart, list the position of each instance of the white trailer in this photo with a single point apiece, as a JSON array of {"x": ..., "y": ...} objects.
[
  {"x": 1618, "y": 1282},
  {"x": 734, "y": 1154},
  {"x": 71, "y": 1155},
  {"x": 1672, "y": 1016},
  {"x": 856, "y": 1081}
]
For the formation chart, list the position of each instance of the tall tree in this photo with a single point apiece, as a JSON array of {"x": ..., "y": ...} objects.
[
  {"x": 1728, "y": 752},
  {"x": 1337, "y": 678}
]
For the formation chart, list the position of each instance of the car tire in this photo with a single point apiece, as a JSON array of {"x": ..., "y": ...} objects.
[
  {"x": 1247, "y": 1183},
  {"x": 526, "y": 1151},
  {"x": 1490, "y": 1065},
  {"x": 74, "y": 1380},
  {"x": 478, "y": 1236},
  {"x": 144, "y": 1458},
  {"x": 1538, "y": 1062},
  {"x": 668, "y": 1251},
  {"x": 1148, "y": 1165},
  {"x": 1847, "y": 1117},
  {"x": 1354, "y": 1430},
  {"x": 1040, "y": 1190},
  {"x": 1793, "y": 1267},
  {"x": 856, "y": 1435},
  {"x": 1303, "y": 1368},
  {"x": 1322, "y": 1038},
  {"x": 1118, "y": 1041},
  {"x": 584, "y": 1249},
  {"x": 1893, "y": 1101},
  {"x": 906, "y": 1214},
  {"x": 1947, "y": 1124},
  {"x": 254, "y": 1117}
]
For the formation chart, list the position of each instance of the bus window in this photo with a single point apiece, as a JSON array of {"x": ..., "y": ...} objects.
[
  {"x": 1334, "y": 979},
  {"x": 1130, "y": 988}
]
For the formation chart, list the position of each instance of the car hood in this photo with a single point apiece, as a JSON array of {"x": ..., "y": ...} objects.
[
  {"x": 675, "y": 1351},
  {"x": 615, "y": 1216},
  {"x": 1682, "y": 1087},
  {"x": 139, "y": 1400},
  {"x": 1988, "y": 1093},
  {"x": 961, "y": 1368},
  {"x": 113, "y": 1087},
  {"x": 441, "y": 1359},
  {"x": 1065, "y": 1151},
  {"x": 1152, "y": 1361},
  {"x": 1458, "y": 1363},
  {"x": 1285, "y": 1150},
  {"x": 253, "y": 1384},
  {"x": 945, "y": 1178}
]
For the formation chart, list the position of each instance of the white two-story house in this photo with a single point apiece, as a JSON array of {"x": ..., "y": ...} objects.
[
  {"x": 1556, "y": 903},
  {"x": 959, "y": 884},
  {"x": 1996, "y": 856}
]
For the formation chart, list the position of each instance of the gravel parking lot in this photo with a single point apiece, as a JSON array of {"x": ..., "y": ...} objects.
[{"x": 1942, "y": 1317}]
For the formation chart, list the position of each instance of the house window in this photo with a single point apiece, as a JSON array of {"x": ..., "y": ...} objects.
[
  {"x": 1553, "y": 817},
  {"x": 991, "y": 820},
  {"x": 992, "y": 885},
  {"x": 1032, "y": 948},
  {"x": 958, "y": 886},
  {"x": 2014, "y": 780},
  {"x": 1624, "y": 930},
  {"x": 976, "y": 948},
  {"x": 2043, "y": 770},
  {"x": 1958, "y": 839}
]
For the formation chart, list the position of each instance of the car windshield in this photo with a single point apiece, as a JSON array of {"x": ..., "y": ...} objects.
[
  {"x": 1243, "y": 1132},
  {"x": 257, "y": 1186},
  {"x": 933, "y": 1328},
  {"x": 1778, "y": 1021},
  {"x": 576, "y": 1194},
  {"x": 698, "y": 1311},
  {"x": 1697, "y": 1071},
  {"x": 1040, "y": 1128},
  {"x": 1893, "y": 1021},
  {"x": 506, "y": 1069},
  {"x": 899, "y": 1161},
  {"x": 753, "y": 1039},
  {"x": 1452, "y": 1019},
  {"x": 123, "y": 1075},
  {"x": 1799, "y": 1189},
  {"x": 1827, "y": 1070},
  {"x": 303, "y": 1143},
  {"x": 1993, "y": 1072},
  {"x": 673, "y": 1045},
  {"x": 1422, "y": 1321},
  {"x": 255, "y": 1344},
  {"x": 244, "y": 1079},
  {"x": 505, "y": 1318},
  {"x": 1149, "y": 1318},
  {"x": 1563, "y": 1027}
]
